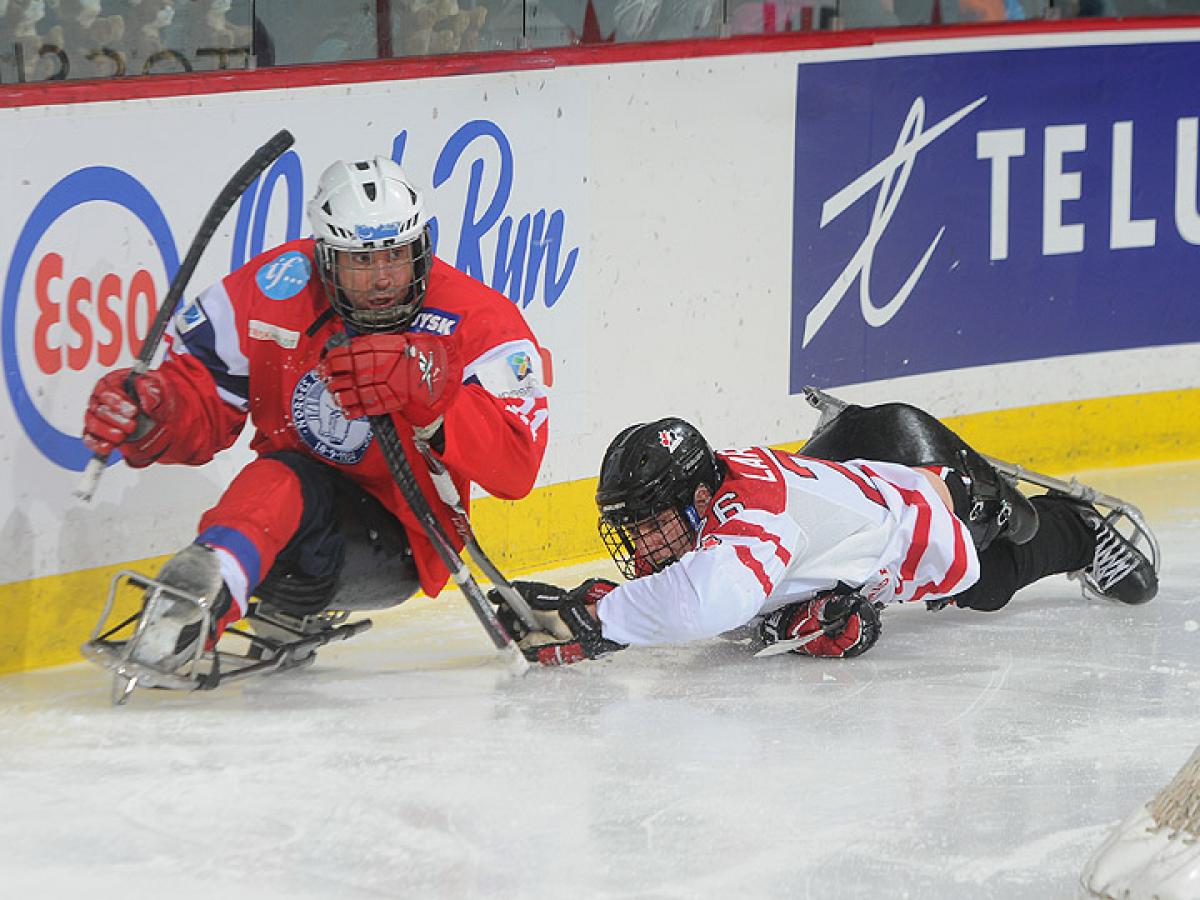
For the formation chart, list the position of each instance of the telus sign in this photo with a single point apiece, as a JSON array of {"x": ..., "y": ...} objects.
[{"x": 959, "y": 210}]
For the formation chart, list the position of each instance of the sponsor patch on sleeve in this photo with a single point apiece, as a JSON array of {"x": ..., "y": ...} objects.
[
  {"x": 265, "y": 331},
  {"x": 510, "y": 370},
  {"x": 520, "y": 364},
  {"x": 285, "y": 276}
]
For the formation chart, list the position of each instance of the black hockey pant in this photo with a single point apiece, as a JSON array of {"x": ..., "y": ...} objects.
[{"x": 348, "y": 552}]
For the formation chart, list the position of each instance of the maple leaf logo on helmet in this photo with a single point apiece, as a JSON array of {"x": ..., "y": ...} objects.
[{"x": 670, "y": 438}]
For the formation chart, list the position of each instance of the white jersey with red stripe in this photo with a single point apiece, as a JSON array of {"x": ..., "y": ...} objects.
[{"x": 783, "y": 528}]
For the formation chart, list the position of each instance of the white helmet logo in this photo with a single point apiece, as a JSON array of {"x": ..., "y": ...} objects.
[{"x": 377, "y": 232}]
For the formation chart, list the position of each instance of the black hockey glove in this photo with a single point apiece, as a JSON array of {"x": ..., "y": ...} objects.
[
  {"x": 569, "y": 633},
  {"x": 832, "y": 624},
  {"x": 940, "y": 603},
  {"x": 836, "y": 608}
]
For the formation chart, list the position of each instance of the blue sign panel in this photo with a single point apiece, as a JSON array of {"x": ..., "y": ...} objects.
[{"x": 967, "y": 209}]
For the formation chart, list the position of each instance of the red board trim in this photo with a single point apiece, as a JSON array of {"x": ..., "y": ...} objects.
[{"x": 283, "y": 77}]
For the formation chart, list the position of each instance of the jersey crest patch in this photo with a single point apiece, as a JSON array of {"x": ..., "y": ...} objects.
[
  {"x": 285, "y": 276},
  {"x": 191, "y": 316},
  {"x": 322, "y": 425},
  {"x": 435, "y": 321}
]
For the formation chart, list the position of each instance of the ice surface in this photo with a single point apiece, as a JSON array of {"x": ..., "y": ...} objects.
[{"x": 968, "y": 755}]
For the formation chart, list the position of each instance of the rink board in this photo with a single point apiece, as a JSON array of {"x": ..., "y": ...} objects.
[{"x": 694, "y": 235}]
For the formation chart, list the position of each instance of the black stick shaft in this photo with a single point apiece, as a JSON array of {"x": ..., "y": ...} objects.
[
  {"x": 234, "y": 188},
  {"x": 449, "y": 496},
  {"x": 393, "y": 451}
]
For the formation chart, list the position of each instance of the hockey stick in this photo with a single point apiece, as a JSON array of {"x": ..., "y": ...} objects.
[
  {"x": 462, "y": 524},
  {"x": 393, "y": 452},
  {"x": 234, "y": 188},
  {"x": 790, "y": 644}
]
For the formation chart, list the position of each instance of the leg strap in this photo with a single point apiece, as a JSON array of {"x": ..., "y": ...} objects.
[{"x": 1063, "y": 543}]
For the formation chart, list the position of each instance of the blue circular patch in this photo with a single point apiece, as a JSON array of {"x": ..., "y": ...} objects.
[
  {"x": 285, "y": 276},
  {"x": 323, "y": 425}
]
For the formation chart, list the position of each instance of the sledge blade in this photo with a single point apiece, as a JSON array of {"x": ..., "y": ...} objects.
[
  {"x": 215, "y": 667},
  {"x": 128, "y": 675}
]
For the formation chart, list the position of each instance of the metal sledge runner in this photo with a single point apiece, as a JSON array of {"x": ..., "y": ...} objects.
[
  {"x": 275, "y": 642},
  {"x": 1119, "y": 525}
]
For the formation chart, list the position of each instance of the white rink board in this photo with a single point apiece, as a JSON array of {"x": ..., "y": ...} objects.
[{"x": 672, "y": 180}]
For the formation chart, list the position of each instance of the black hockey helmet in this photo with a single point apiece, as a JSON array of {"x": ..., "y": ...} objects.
[{"x": 648, "y": 469}]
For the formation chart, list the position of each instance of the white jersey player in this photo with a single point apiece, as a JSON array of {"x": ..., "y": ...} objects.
[
  {"x": 781, "y": 529},
  {"x": 810, "y": 548}
]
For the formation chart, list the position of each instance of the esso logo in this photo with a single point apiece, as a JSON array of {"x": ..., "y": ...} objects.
[{"x": 87, "y": 275}]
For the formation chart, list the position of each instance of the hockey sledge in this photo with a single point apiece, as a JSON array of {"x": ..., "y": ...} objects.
[
  {"x": 1120, "y": 514},
  {"x": 265, "y": 641}
]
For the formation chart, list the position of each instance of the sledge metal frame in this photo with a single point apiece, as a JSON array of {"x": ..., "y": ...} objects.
[
  {"x": 1117, "y": 512},
  {"x": 278, "y": 642}
]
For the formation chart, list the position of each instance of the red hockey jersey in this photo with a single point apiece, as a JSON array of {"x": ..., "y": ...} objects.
[
  {"x": 783, "y": 528},
  {"x": 249, "y": 346}
]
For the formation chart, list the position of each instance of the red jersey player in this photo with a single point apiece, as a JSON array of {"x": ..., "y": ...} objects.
[
  {"x": 811, "y": 549},
  {"x": 316, "y": 516}
]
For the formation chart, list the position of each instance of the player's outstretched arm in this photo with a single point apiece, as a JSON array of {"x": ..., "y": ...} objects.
[{"x": 570, "y": 631}]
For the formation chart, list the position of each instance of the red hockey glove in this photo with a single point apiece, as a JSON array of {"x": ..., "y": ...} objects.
[
  {"x": 569, "y": 634},
  {"x": 137, "y": 425},
  {"x": 830, "y": 624},
  {"x": 415, "y": 375}
]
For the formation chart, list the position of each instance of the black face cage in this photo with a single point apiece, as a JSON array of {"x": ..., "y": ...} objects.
[
  {"x": 634, "y": 563},
  {"x": 619, "y": 543},
  {"x": 393, "y": 318}
]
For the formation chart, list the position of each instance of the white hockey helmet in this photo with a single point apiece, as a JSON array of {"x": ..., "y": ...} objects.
[{"x": 370, "y": 207}]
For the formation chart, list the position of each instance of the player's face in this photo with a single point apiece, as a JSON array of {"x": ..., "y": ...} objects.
[
  {"x": 661, "y": 540},
  {"x": 375, "y": 279}
]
